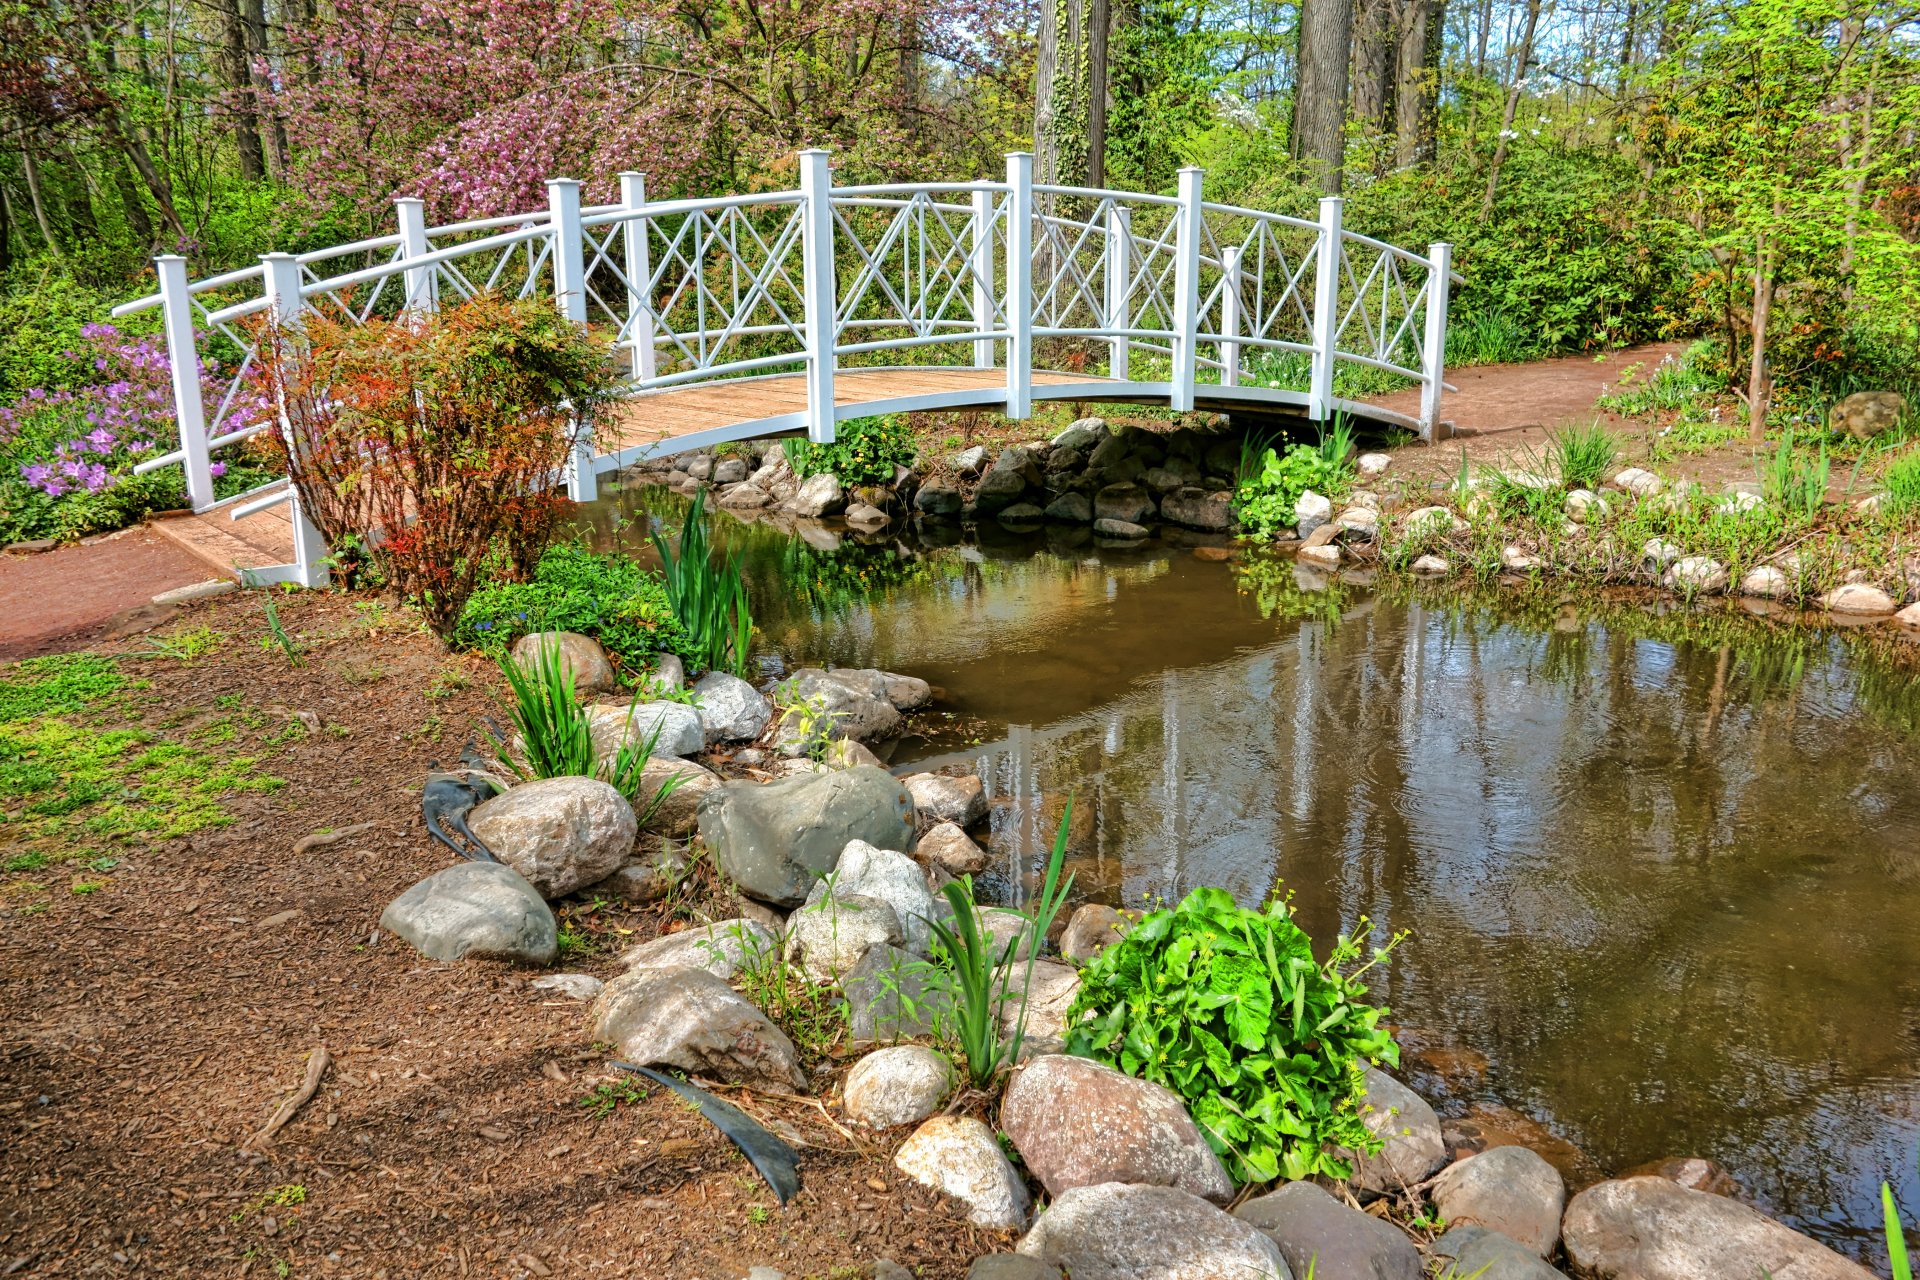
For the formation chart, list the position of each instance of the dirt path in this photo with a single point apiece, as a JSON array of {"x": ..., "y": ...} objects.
[{"x": 62, "y": 599}]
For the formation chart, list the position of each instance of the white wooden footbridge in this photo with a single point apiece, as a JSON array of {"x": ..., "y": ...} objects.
[{"x": 788, "y": 311}]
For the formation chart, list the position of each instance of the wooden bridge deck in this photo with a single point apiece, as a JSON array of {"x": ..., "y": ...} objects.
[{"x": 644, "y": 422}]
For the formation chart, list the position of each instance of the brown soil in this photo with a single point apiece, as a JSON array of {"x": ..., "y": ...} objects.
[
  {"x": 62, "y": 599},
  {"x": 147, "y": 1030}
]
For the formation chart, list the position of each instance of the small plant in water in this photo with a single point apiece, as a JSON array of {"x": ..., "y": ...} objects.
[{"x": 708, "y": 599}]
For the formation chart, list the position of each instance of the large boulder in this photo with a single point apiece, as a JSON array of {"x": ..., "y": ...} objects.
[
  {"x": 1128, "y": 502},
  {"x": 689, "y": 1019},
  {"x": 1082, "y": 434},
  {"x": 474, "y": 909},
  {"x": 1488, "y": 1255},
  {"x": 681, "y": 731},
  {"x": 1511, "y": 1190},
  {"x": 775, "y": 840},
  {"x": 1072, "y": 508},
  {"x": 1859, "y": 599},
  {"x": 1310, "y": 512},
  {"x": 1321, "y": 1236},
  {"x": 580, "y": 657},
  {"x": 900, "y": 1085},
  {"x": 938, "y": 498},
  {"x": 852, "y": 705},
  {"x": 889, "y": 998},
  {"x": 721, "y": 947},
  {"x": 818, "y": 496},
  {"x": 1413, "y": 1146},
  {"x": 730, "y": 709},
  {"x": 1012, "y": 474},
  {"x": 1077, "y": 1123},
  {"x": 562, "y": 834},
  {"x": 952, "y": 850},
  {"x": 894, "y": 878},
  {"x": 959, "y": 1156},
  {"x": 1092, "y": 929},
  {"x": 1198, "y": 509},
  {"x": 831, "y": 935},
  {"x": 1654, "y": 1229},
  {"x": 1113, "y": 1231},
  {"x": 679, "y": 812},
  {"x": 943, "y": 797}
]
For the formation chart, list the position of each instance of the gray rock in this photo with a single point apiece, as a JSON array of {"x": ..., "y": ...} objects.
[
  {"x": 1063, "y": 460},
  {"x": 1022, "y": 513},
  {"x": 901, "y": 1085},
  {"x": 574, "y": 986},
  {"x": 1092, "y": 929},
  {"x": 1488, "y": 1255},
  {"x": 831, "y": 935},
  {"x": 580, "y": 656},
  {"x": 819, "y": 496},
  {"x": 952, "y": 850},
  {"x": 944, "y": 797},
  {"x": 1082, "y": 434},
  {"x": 852, "y": 705},
  {"x": 906, "y": 693},
  {"x": 730, "y": 709},
  {"x": 1119, "y": 529},
  {"x": 474, "y": 909},
  {"x": 1766, "y": 583},
  {"x": 845, "y": 753},
  {"x": 1413, "y": 1147},
  {"x": 1310, "y": 512},
  {"x": 178, "y": 595},
  {"x": 865, "y": 513},
  {"x": 1198, "y": 509},
  {"x": 1007, "y": 928},
  {"x": 700, "y": 466},
  {"x": 1638, "y": 482},
  {"x": 689, "y": 1019},
  {"x": 1697, "y": 575},
  {"x": 1337, "y": 1242},
  {"x": 1859, "y": 600},
  {"x": 938, "y": 498},
  {"x": 744, "y": 497},
  {"x": 1010, "y": 1266},
  {"x": 1125, "y": 502},
  {"x": 648, "y": 878},
  {"x": 969, "y": 462},
  {"x": 1112, "y": 1231},
  {"x": 562, "y": 834},
  {"x": 681, "y": 732},
  {"x": 679, "y": 811},
  {"x": 669, "y": 673},
  {"x": 1373, "y": 464},
  {"x": 1078, "y": 1124},
  {"x": 775, "y": 840},
  {"x": 959, "y": 1156},
  {"x": 1511, "y": 1190},
  {"x": 1006, "y": 483},
  {"x": 895, "y": 879},
  {"x": 1049, "y": 994},
  {"x": 1071, "y": 508},
  {"x": 1654, "y": 1229},
  {"x": 729, "y": 470},
  {"x": 721, "y": 947},
  {"x": 889, "y": 998}
]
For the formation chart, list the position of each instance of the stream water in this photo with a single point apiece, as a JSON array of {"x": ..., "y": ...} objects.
[{"x": 1662, "y": 873}]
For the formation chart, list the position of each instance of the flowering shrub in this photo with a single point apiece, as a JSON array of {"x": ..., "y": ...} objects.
[{"x": 67, "y": 453}]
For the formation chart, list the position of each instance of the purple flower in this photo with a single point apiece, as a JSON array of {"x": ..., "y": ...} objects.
[{"x": 217, "y": 469}]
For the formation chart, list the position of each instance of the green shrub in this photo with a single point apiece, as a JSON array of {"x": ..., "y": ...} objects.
[
  {"x": 864, "y": 451},
  {"x": 1265, "y": 502},
  {"x": 1227, "y": 1008},
  {"x": 1903, "y": 482},
  {"x": 608, "y": 597}
]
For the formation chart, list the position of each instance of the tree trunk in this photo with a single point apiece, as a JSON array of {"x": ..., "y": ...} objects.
[
  {"x": 1757, "y": 388},
  {"x": 6, "y": 231},
  {"x": 1417, "y": 84},
  {"x": 1513, "y": 104},
  {"x": 1480, "y": 38},
  {"x": 1320, "y": 96},
  {"x": 1375, "y": 39},
  {"x": 273, "y": 129},
  {"x": 1060, "y": 94},
  {"x": 39, "y": 202},
  {"x": 1099, "y": 32},
  {"x": 245, "y": 117}
]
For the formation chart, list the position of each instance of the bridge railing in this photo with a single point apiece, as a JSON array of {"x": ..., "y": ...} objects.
[{"x": 1176, "y": 292}]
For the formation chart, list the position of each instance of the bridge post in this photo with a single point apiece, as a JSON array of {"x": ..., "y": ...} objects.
[
  {"x": 1326, "y": 309},
  {"x": 183, "y": 358},
  {"x": 1186, "y": 291},
  {"x": 1433, "y": 361},
  {"x": 982, "y": 269},
  {"x": 639, "y": 272},
  {"x": 1230, "y": 316},
  {"x": 822, "y": 302},
  {"x": 411, "y": 213},
  {"x": 570, "y": 294},
  {"x": 1119, "y": 281},
  {"x": 284, "y": 308},
  {"x": 1019, "y": 284}
]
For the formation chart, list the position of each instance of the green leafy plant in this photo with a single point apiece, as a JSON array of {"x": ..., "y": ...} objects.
[
  {"x": 1794, "y": 480},
  {"x": 1336, "y": 443},
  {"x": 609, "y": 1096},
  {"x": 1582, "y": 456},
  {"x": 979, "y": 977},
  {"x": 277, "y": 635},
  {"x": 864, "y": 451},
  {"x": 1265, "y": 503},
  {"x": 608, "y": 597},
  {"x": 709, "y": 599},
  {"x": 811, "y": 1015},
  {"x": 1228, "y": 1008}
]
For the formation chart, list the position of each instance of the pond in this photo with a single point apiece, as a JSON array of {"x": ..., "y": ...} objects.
[{"x": 1661, "y": 873}]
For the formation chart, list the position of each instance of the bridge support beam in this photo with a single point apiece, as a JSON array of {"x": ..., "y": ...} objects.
[
  {"x": 411, "y": 213},
  {"x": 1186, "y": 291},
  {"x": 1019, "y": 285},
  {"x": 183, "y": 356},
  {"x": 639, "y": 272},
  {"x": 285, "y": 307},
  {"x": 981, "y": 268},
  {"x": 1119, "y": 264},
  {"x": 1434, "y": 349},
  {"x": 1326, "y": 309},
  {"x": 570, "y": 294},
  {"x": 822, "y": 302}
]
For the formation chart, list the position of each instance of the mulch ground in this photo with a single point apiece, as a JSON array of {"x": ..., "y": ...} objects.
[{"x": 148, "y": 1031}]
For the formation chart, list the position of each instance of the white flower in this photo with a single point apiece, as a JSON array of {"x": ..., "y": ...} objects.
[
  {"x": 1591, "y": 120},
  {"x": 1533, "y": 133},
  {"x": 1543, "y": 120}
]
